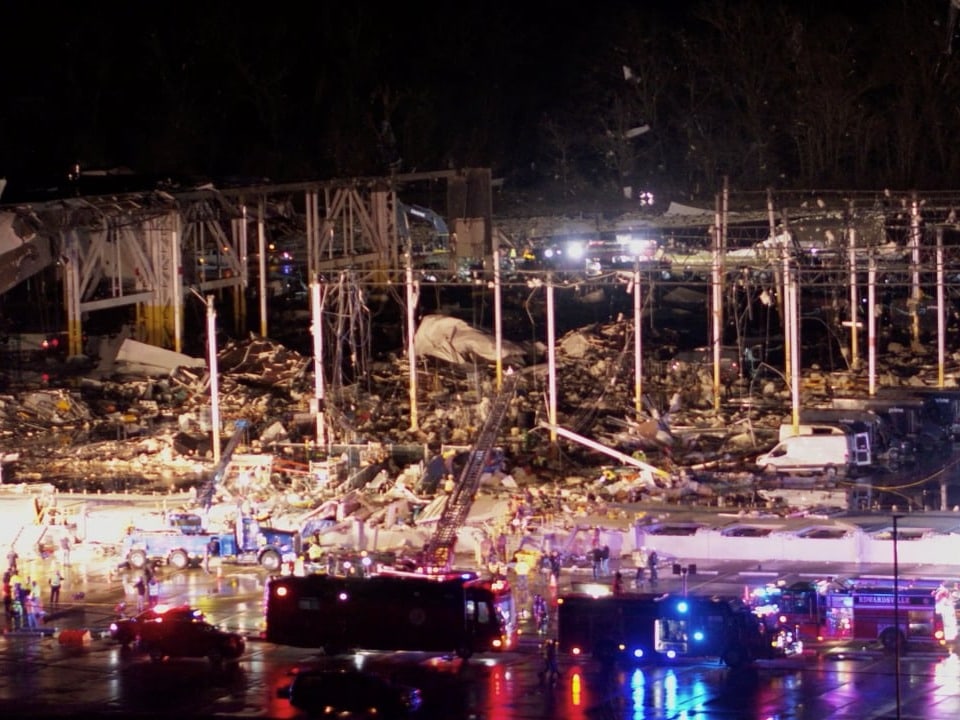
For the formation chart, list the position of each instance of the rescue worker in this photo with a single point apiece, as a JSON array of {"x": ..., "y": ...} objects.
[
  {"x": 947, "y": 610},
  {"x": 315, "y": 553},
  {"x": 56, "y": 580},
  {"x": 211, "y": 551},
  {"x": 153, "y": 591},
  {"x": 550, "y": 671},
  {"x": 540, "y": 614},
  {"x": 522, "y": 570},
  {"x": 640, "y": 562},
  {"x": 652, "y": 561},
  {"x": 555, "y": 566},
  {"x": 597, "y": 556},
  {"x": 141, "y": 588}
]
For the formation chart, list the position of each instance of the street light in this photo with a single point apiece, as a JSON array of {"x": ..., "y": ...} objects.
[{"x": 896, "y": 606}]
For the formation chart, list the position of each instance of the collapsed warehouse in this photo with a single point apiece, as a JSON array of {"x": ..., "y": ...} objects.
[
  {"x": 142, "y": 425},
  {"x": 591, "y": 451}
]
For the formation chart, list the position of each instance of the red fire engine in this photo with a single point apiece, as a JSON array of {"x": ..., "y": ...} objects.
[{"x": 864, "y": 609}]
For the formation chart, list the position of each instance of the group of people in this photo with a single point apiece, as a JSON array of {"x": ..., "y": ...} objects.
[
  {"x": 647, "y": 565},
  {"x": 22, "y": 601},
  {"x": 601, "y": 561}
]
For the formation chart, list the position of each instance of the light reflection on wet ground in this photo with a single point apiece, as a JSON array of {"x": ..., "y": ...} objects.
[{"x": 40, "y": 678}]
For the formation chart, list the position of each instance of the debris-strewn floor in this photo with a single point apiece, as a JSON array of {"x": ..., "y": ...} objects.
[{"x": 143, "y": 417}]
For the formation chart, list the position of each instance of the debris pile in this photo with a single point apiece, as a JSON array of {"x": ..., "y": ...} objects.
[{"x": 155, "y": 427}]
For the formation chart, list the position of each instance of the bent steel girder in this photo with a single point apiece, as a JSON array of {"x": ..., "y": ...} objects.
[
  {"x": 113, "y": 263},
  {"x": 145, "y": 248}
]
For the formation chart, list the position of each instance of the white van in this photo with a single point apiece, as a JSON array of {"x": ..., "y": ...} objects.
[{"x": 829, "y": 453}]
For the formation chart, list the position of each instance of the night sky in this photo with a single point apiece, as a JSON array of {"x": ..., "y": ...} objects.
[{"x": 780, "y": 94}]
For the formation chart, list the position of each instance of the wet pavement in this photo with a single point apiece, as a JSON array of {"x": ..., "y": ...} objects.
[
  {"x": 91, "y": 676},
  {"x": 41, "y": 676}
]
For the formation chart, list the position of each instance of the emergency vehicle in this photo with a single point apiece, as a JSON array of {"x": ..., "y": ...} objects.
[
  {"x": 448, "y": 612},
  {"x": 865, "y": 609},
  {"x": 651, "y": 627}
]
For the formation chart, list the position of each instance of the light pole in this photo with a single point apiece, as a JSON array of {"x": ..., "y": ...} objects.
[
  {"x": 683, "y": 571},
  {"x": 896, "y": 606}
]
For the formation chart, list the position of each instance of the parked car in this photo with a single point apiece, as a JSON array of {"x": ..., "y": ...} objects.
[
  {"x": 126, "y": 631},
  {"x": 162, "y": 638},
  {"x": 350, "y": 693}
]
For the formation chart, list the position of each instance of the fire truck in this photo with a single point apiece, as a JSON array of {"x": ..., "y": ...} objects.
[
  {"x": 646, "y": 627},
  {"x": 864, "y": 609}
]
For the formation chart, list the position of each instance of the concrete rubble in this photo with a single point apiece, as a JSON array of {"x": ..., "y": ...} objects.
[{"x": 141, "y": 421}]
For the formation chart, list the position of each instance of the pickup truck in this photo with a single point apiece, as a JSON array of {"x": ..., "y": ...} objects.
[{"x": 249, "y": 544}]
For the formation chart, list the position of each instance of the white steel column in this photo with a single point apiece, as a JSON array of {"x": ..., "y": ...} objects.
[
  {"x": 637, "y": 342},
  {"x": 872, "y": 325},
  {"x": 916, "y": 293},
  {"x": 316, "y": 307},
  {"x": 794, "y": 313},
  {"x": 262, "y": 251},
  {"x": 551, "y": 363},
  {"x": 214, "y": 379},
  {"x": 941, "y": 312},
  {"x": 716, "y": 309},
  {"x": 412, "y": 295},
  {"x": 854, "y": 301},
  {"x": 177, "y": 298},
  {"x": 497, "y": 312}
]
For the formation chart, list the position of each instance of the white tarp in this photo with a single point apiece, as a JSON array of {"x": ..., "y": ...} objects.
[
  {"x": 142, "y": 359},
  {"x": 455, "y": 341}
]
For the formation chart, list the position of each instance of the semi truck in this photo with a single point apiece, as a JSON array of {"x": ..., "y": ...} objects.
[
  {"x": 443, "y": 613},
  {"x": 647, "y": 627},
  {"x": 186, "y": 544}
]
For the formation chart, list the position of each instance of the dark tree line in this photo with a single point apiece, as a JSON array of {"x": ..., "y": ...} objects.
[{"x": 654, "y": 95}]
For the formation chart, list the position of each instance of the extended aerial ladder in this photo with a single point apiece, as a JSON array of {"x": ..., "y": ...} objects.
[
  {"x": 438, "y": 553},
  {"x": 209, "y": 488}
]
